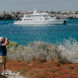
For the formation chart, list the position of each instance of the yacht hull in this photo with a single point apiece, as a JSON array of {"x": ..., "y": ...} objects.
[{"x": 56, "y": 21}]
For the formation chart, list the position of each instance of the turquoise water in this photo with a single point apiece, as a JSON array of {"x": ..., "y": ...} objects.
[{"x": 52, "y": 34}]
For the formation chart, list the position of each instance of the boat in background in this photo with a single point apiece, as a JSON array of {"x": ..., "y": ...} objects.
[{"x": 39, "y": 18}]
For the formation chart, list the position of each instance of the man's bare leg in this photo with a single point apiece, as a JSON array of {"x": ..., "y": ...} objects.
[
  {"x": 3, "y": 67},
  {"x": 4, "y": 64},
  {"x": 0, "y": 68}
]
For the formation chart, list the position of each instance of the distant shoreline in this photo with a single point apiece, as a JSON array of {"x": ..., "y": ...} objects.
[{"x": 18, "y": 15}]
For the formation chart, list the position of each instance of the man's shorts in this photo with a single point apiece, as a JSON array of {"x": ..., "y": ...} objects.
[{"x": 2, "y": 59}]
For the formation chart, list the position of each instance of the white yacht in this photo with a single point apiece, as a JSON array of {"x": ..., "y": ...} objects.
[{"x": 38, "y": 18}]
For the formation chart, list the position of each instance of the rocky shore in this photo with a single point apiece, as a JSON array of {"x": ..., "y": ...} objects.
[
  {"x": 18, "y": 15},
  {"x": 37, "y": 69},
  {"x": 42, "y": 60},
  {"x": 12, "y": 74}
]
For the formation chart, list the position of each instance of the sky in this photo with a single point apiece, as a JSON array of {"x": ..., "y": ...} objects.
[{"x": 29, "y": 5}]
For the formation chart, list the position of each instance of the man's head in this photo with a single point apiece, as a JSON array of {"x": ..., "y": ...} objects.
[{"x": 2, "y": 39}]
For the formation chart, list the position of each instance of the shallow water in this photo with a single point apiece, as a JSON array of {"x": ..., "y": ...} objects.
[{"x": 54, "y": 34}]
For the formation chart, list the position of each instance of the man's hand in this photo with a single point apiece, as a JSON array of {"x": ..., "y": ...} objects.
[{"x": 6, "y": 41}]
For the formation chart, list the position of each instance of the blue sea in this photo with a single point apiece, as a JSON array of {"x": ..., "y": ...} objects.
[{"x": 54, "y": 34}]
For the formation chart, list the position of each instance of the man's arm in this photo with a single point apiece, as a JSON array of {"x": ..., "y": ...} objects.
[{"x": 6, "y": 42}]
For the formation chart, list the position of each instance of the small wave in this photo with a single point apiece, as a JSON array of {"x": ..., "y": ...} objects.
[
  {"x": 4, "y": 23},
  {"x": 72, "y": 24}
]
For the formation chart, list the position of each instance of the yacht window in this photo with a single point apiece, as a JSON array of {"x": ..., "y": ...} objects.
[
  {"x": 27, "y": 19},
  {"x": 45, "y": 15},
  {"x": 27, "y": 15},
  {"x": 47, "y": 18},
  {"x": 20, "y": 19}
]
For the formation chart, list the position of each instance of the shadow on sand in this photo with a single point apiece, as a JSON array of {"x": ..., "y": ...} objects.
[{"x": 1, "y": 76}]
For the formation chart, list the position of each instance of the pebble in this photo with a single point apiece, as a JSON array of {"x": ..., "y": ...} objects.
[{"x": 13, "y": 74}]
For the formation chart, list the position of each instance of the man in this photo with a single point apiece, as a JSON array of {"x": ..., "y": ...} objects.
[{"x": 3, "y": 53}]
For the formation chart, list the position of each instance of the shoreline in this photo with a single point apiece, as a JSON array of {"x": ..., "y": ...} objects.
[{"x": 18, "y": 15}]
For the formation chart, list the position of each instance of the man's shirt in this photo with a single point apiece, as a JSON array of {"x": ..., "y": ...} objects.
[{"x": 3, "y": 50}]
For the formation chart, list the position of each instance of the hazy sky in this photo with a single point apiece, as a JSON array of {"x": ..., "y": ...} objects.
[{"x": 29, "y": 5}]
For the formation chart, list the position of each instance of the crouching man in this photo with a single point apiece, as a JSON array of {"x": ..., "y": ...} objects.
[{"x": 3, "y": 53}]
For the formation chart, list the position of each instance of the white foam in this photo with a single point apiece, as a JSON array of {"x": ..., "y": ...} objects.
[{"x": 69, "y": 50}]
